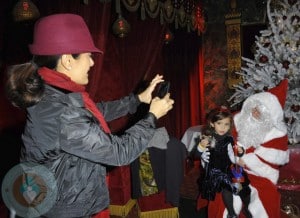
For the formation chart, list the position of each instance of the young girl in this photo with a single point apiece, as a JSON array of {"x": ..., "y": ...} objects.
[{"x": 218, "y": 153}]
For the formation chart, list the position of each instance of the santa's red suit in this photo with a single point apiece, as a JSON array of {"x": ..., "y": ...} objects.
[{"x": 262, "y": 160}]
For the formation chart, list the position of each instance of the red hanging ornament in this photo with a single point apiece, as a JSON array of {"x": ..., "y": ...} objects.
[
  {"x": 295, "y": 108},
  {"x": 263, "y": 59},
  {"x": 285, "y": 64}
]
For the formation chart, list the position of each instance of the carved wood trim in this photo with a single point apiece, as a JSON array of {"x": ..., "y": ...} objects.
[{"x": 233, "y": 34}]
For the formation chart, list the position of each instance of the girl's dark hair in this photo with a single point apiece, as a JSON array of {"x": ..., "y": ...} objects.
[
  {"x": 218, "y": 114},
  {"x": 24, "y": 86},
  {"x": 214, "y": 115}
]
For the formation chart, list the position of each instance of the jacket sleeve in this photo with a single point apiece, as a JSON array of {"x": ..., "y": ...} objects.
[
  {"x": 82, "y": 136},
  {"x": 112, "y": 110}
]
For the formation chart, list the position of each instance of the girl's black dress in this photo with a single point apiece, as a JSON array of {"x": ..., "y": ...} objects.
[{"x": 217, "y": 173}]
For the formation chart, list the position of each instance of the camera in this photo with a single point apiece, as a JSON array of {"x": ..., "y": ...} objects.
[{"x": 163, "y": 89}]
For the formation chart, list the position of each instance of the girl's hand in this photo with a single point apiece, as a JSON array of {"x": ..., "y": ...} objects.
[
  {"x": 146, "y": 95},
  {"x": 204, "y": 143},
  {"x": 205, "y": 155}
]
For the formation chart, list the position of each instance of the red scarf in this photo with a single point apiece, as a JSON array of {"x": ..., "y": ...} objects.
[{"x": 60, "y": 80}]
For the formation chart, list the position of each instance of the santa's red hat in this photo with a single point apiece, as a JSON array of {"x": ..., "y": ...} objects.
[{"x": 280, "y": 91}]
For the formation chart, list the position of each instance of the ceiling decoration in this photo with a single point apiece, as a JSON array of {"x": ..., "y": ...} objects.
[{"x": 187, "y": 14}]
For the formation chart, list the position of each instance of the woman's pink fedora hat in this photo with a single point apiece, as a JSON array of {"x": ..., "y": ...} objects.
[{"x": 62, "y": 34}]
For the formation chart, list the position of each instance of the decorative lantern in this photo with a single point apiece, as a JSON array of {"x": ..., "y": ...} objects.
[
  {"x": 121, "y": 27},
  {"x": 25, "y": 10}
]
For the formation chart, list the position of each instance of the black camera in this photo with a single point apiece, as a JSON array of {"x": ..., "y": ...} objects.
[{"x": 163, "y": 89}]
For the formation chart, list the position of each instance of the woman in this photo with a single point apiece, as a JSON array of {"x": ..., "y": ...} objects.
[{"x": 65, "y": 130}]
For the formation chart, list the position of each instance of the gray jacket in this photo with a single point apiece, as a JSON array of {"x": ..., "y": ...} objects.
[{"x": 65, "y": 137}]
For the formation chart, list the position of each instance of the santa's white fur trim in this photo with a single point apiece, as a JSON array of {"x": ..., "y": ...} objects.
[
  {"x": 275, "y": 133},
  {"x": 255, "y": 207},
  {"x": 259, "y": 168},
  {"x": 272, "y": 155}
]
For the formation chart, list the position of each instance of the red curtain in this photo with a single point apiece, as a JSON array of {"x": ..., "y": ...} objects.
[{"x": 183, "y": 68}]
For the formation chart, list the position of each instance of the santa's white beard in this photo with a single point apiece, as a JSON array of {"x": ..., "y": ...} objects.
[{"x": 252, "y": 132}]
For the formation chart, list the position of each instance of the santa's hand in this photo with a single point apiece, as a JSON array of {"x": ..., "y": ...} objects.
[{"x": 205, "y": 155}]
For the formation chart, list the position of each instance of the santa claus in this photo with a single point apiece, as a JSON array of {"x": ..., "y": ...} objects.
[{"x": 261, "y": 131}]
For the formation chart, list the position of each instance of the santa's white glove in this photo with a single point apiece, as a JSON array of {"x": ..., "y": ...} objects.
[{"x": 205, "y": 155}]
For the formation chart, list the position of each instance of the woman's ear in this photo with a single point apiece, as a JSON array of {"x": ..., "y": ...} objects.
[
  {"x": 211, "y": 124},
  {"x": 66, "y": 61},
  {"x": 64, "y": 65}
]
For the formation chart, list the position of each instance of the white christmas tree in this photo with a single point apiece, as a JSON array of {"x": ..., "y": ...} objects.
[{"x": 277, "y": 57}]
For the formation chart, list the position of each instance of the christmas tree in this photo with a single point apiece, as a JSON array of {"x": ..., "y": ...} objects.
[{"x": 277, "y": 57}]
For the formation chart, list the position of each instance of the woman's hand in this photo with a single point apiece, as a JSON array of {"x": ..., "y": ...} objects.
[
  {"x": 146, "y": 95},
  {"x": 160, "y": 106}
]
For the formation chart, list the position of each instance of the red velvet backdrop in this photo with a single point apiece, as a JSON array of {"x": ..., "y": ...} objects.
[{"x": 126, "y": 62}]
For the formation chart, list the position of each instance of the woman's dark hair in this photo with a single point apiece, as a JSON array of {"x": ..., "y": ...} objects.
[{"x": 24, "y": 86}]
